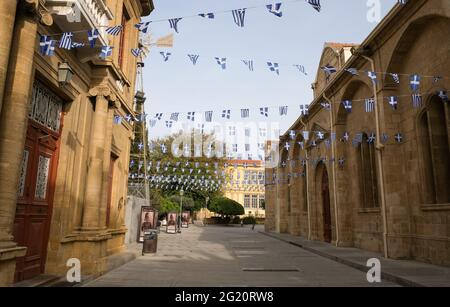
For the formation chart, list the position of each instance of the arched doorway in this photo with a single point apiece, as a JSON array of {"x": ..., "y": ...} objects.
[{"x": 327, "y": 235}]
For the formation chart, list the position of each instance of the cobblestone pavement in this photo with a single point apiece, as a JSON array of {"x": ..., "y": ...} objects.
[{"x": 215, "y": 256}]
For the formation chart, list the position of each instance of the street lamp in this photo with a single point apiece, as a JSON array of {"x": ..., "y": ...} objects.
[
  {"x": 181, "y": 210},
  {"x": 65, "y": 73},
  {"x": 204, "y": 211}
]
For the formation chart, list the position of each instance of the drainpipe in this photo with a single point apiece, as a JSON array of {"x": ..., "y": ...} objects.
[
  {"x": 333, "y": 153},
  {"x": 307, "y": 188},
  {"x": 379, "y": 149}
]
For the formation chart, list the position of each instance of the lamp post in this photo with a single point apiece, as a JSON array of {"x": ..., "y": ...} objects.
[
  {"x": 181, "y": 210},
  {"x": 65, "y": 73},
  {"x": 204, "y": 211}
]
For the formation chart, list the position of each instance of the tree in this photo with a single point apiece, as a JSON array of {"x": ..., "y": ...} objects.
[
  {"x": 166, "y": 205},
  {"x": 188, "y": 203},
  {"x": 226, "y": 207}
]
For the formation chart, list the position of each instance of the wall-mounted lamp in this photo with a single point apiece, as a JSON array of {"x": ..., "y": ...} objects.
[{"x": 65, "y": 73}]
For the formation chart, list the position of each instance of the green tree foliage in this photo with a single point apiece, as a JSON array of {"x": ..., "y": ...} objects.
[
  {"x": 226, "y": 207},
  {"x": 188, "y": 203},
  {"x": 166, "y": 205}
]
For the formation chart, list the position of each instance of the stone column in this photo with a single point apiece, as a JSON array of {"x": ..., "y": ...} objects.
[
  {"x": 94, "y": 180},
  {"x": 7, "y": 16}
]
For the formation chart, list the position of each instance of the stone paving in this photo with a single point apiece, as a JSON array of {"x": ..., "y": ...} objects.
[{"x": 216, "y": 256}]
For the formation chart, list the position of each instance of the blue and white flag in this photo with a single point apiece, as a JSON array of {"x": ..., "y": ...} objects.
[
  {"x": 326, "y": 105},
  {"x": 370, "y": 105},
  {"x": 128, "y": 118},
  {"x": 226, "y": 114},
  {"x": 169, "y": 124},
  {"x": 165, "y": 55},
  {"x": 346, "y": 137},
  {"x": 396, "y": 78},
  {"x": 264, "y": 111},
  {"x": 92, "y": 37},
  {"x": 398, "y": 137},
  {"x": 208, "y": 116},
  {"x": 443, "y": 95},
  {"x": 358, "y": 139},
  {"x": 347, "y": 105},
  {"x": 114, "y": 30},
  {"x": 239, "y": 17},
  {"x": 136, "y": 52},
  {"x": 249, "y": 64},
  {"x": 106, "y": 52},
  {"x": 117, "y": 119},
  {"x": 275, "y": 9},
  {"x": 207, "y": 15},
  {"x": 414, "y": 82},
  {"x": 47, "y": 45},
  {"x": 315, "y": 4},
  {"x": 158, "y": 116},
  {"x": 173, "y": 23},
  {"x": 283, "y": 110},
  {"x": 304, "y": 109},
  {"x": 245, "y": 113},
  {"x": 193, "y": 58},
  {"x": 384, "y": 138},
  {"x": 301, "y": 68},
  {"x": 328, "y": 69},
  {"x": 66, "y": 41},
  {"x": 174, "y": 117},
  {"x": 152, "y": 123},
  {"x": 191, "y": 116},
  {"x": 353, "y": 71},
  {"x": 292, "y": 134},
  {"x": 371, "y": 138},
  {"x": 274, "y": 67},
  {"x": 77, "y": 45},
  {"x": 416, "y": 100},
  {"x": 142, "y": 26},
  {"x": 305, "y": 135},
  {"x": 393, "y": 102},
  {"x": 222, "y": 62},
  {"x": 372, "y": 75}
]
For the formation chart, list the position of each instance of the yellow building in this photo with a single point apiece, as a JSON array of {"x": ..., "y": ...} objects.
[
  {"x": 246, "y": 186},
  {"x": 63, "y": 161}
]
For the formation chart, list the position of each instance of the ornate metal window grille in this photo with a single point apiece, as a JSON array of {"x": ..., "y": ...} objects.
[
  {"x": 42, "y": 178},
  {"x": 45, "y": 107},
  {"x": 23, "y": 173}
]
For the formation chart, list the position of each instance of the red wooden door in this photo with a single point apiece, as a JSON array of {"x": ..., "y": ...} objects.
[
  {"x": 326, "y": 208},
  {"x": 34, "y": 205}
]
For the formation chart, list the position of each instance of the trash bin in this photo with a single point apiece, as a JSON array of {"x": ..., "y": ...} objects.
[{"x": 150, "y": 242}]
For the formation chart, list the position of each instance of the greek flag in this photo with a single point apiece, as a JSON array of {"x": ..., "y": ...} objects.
[
  {"x": 301, "y": 68},
  {"x": 165, "y": 55},
  {"x": 264, "y": 111},
  {"x": 283, "y": 111},
  {"x": 207, "y": 15},
  {"x": 393, "y": 101},
  {"x": 326, "y": 105},
  {"x": 320, "y": 135},
  {"x": 398, "y": 138},
  {"x": 114, "y": 30},
  {"x": 384, "y": 138},
  {"x": 117, "y": 119},
  {"x": 152, "y": 123},
  {"x": 328, "y": 69},
  {"x": 436, "y": 79},
  {"x": 191, "y": 116},
  {"x": 66, "y": 41},
  {"x": 169, "y": 124},
  {"x": 193, "y": 58},
  {"x": 77, "y": 45},
  {"x": 142, "y": 26},
  {"x": 275, "y": 9},
  {"x": 371, "y": 138},
  {"x": 273, "y": 67},
  {"x": 106, "y": 52},
  {"x": 315, "y": 4},
  {"x": 414, "y": 82},
  {"x": 222, "y": 62},
  {"x": 292, "y": 134},
  {"x": 158, "y": 116},
  {"x": 245, "y": 113},
  {"x": 174, "y": 117},
  {"x": 47, "y": 46},
  {"x": 174, "y": 23},
  {"x": 353, "y": 71},
  {"x": 416, "y": 100},
  {"x": 372, "y": 75},
  {"x": 239, "y": 16},
  {"x": 396, "y": 78},
  {"x": 92, "y": 37},
  {"x": 358, "y": 139},
  {"x": 370, "y": 105},
  {"x": 305, "y": 135},
  {"x": 304, "y": 110},
  {"x": 347, "y": 105},
  {"x": 128, "y": 117},
  {"x": 226, "y": 114},
  {"x": 208, "y": 116},
  {"x": 136, "y": 52},
  {"x": 249, "y": 64},
  {"x": 345, "y": 137},
  {"x": 443, "y": 95}
]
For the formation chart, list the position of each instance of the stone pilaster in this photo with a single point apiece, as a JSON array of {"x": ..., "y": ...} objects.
[
  {"x": 94, "y": 199},
  {"x": 7, "y": 16}
]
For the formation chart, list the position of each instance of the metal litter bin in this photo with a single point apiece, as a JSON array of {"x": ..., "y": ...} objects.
[{"x": 150, "y": 242}]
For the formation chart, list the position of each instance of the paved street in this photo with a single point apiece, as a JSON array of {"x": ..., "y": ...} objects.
[{"x": 217, "y": 256}]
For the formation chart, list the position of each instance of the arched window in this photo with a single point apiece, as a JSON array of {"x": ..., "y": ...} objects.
[
  {"x": 434, "y": 134},
  {"x": 368, "y": 174}
]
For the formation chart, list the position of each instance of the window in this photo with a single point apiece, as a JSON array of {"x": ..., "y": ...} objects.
[
  {"x": 235, "y": 147},
  {"x": 262, "y": 132},
  {"x": 262, "y": 202},
  {"x": 247, "y": 147},
  {"x": 250, "y": 156},
  {"x": 368, "y": 176},
  {"x": 248, "y": 132},
  {"x": 246, "y": 201},
  {"x": 254, "y": 201},
  {"x": 246, "y": 175},
  {"x": 261, "y": 146},
  {"x": 434, "y": 136},
  {"x": 232, "y": 131}
]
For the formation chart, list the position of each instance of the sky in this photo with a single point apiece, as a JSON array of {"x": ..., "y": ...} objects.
[{"x": 297, "y": 37}]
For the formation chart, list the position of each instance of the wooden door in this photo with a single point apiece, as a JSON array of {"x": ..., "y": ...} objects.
[
  {"x": 326, "y": 207},
  {"x": 35, "y": 197}
]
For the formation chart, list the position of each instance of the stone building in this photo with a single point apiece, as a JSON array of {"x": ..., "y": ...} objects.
[
  {"x": 246, "y": 185},
  {"x": 63, "y": 162},
  {"x": 380, "y": 195}
]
